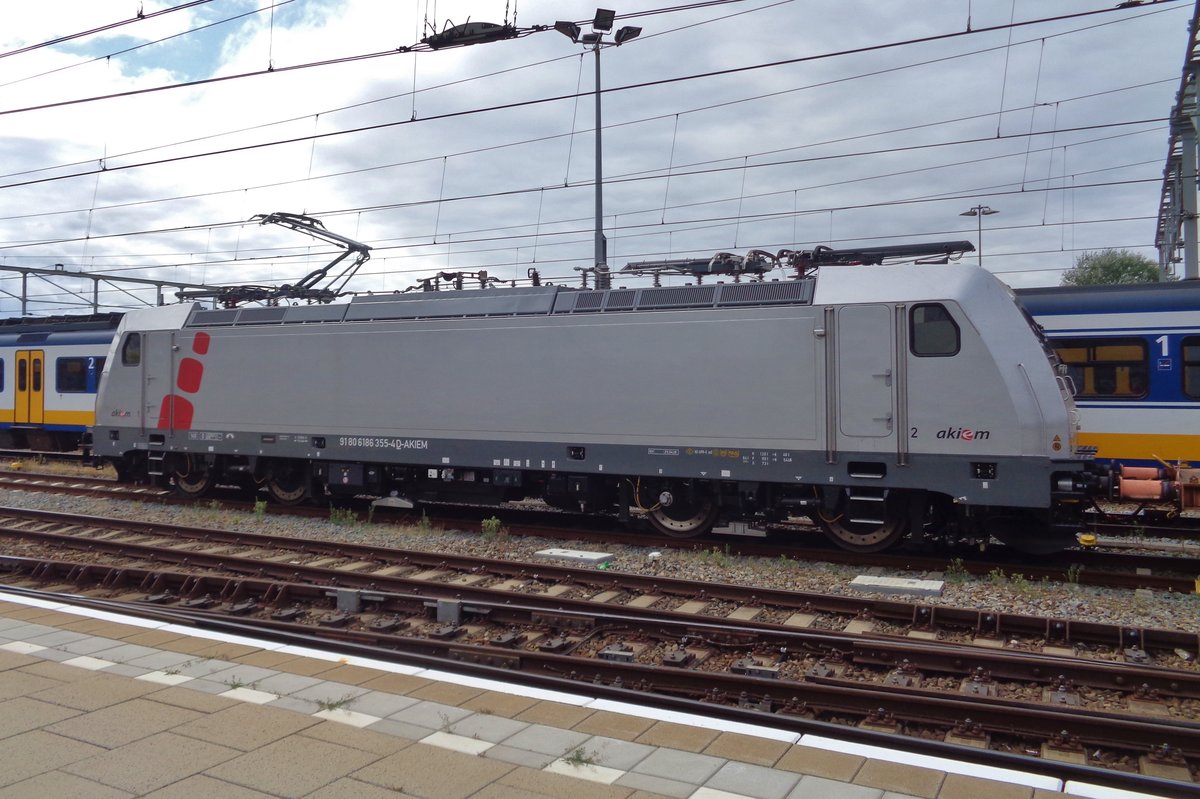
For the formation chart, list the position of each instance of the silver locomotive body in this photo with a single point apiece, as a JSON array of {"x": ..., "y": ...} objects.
[{"x": 875, "y": 400}]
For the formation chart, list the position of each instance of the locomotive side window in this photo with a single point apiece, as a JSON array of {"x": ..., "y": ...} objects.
[
  {"x": 77, "y": 375},
  {"x": 131, "y": 350},
  {"x": 1191, "y": 366},
  {"x": 934, "y": 332},
  {"x": 1106, "y": 368}
]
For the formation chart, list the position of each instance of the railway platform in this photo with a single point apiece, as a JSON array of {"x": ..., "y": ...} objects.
[{"x": 103, "y": 706}]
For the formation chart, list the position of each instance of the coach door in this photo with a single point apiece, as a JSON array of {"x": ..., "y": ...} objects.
[
  {"x": 31, "y": 375},
  {"x": 865, "y": 376}
]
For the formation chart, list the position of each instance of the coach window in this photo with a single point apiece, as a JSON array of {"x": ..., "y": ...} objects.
[
  {"x": 1106, "y": 368},
  {"x": 131, "y": 350},
  {"x": 1191, "y": 366},
  {"x": 934, "y": 332},
  {"x": 77, "y": 375}
]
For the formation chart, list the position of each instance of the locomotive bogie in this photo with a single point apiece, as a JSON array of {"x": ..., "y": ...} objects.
[{"x": 880, "y": 403}]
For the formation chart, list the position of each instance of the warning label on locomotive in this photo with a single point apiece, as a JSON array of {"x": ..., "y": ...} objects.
[
  {"x": 372, "y": 442},
  {"x": 715, "y": 453}
]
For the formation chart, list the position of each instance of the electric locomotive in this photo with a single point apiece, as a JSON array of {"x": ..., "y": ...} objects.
[
  {"x": 879, "y": 401},
  {"x": 49, "y": 373}
]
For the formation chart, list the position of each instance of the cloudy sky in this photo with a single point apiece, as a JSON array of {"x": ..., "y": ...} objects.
[{"x": 145, "y": 149}]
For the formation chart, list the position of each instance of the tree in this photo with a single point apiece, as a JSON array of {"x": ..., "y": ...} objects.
[{"x": 1107, "y": 267}]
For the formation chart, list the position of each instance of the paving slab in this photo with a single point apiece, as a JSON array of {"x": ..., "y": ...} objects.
[
  {"x": 674, "y": 764},
  {"x": 547, "y": 740},
  {"x": 678, "y": 736},
  {"x": 431, "y": 715},
  {"x": 900, "y": 777},
  {"x": 151, "y": 763},
  {"x": 961, "y": 786},
  {"x": 811, "y": 787},
  {"x": 327, "y": 693},
  {"x": 192, "y": 700},
  {"x": 555, "y": 714},
  {"x": 519, "y": 757},
  {"x": 366, "y": 740},
  {"x": 381, "y": 704},
  {"x": 292, "y": 767},
  {"x": 754, "y": 781},
  {"x": 614, "y": 725},
  {"x": 22, "y": 714},
  {"x": 496, "y": 703},
  {"x": 61, "y": 785},
  {"x": 614, "y": 752},
  {"x": 494, "y": 729},
  {"x": 245, "y": 726},
  {"x": 446, "y": 693},
  {"x": 57, "y": 637},
  {"x": 430, "y": 771},
  {"x": 89, "y": 645},
  {"x": 657, "y": 785},
  {"x": 285, "y": 684},
  {"x": 207, "y": 787},
  {"x": 747, "y": 748},
  {"x": 821, "y": 763},
  {"x": 125, "y": 652},
  {"x": 16, "y": 660},
  {"x": 21, "y": 683},
  {"x": 401, "y": 729},
  {"x": 117, "y": 725},
  {"x": 579, "y": 782},
  {"x": 350, "y": 788},
  {"x": 241, "y": 674},
  {"x": 37, "y": 752}
]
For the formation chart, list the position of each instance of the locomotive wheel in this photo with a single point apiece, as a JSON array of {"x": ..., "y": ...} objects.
[
  {"x": 194, "y": 480},
  {"x": 684, "y": 518},
  {"x": 288, "y": 486},
  {"x": 865, "y": 535}
]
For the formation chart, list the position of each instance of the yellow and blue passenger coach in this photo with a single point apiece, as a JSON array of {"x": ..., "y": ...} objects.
[
  {"x": 1133, "y": 355},
  {"x": 49, "y": 373}
]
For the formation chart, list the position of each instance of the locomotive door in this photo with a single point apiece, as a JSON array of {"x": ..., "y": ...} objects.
[
  {"x": 865, "y": 374},
  {"x": 30, "y": 391},
  {"x": 158, "y": 370}
]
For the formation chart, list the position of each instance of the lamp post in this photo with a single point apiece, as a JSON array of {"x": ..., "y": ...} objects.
[
  {"x": 601, "y": 24},
  {"x": 979, "y": 211}
]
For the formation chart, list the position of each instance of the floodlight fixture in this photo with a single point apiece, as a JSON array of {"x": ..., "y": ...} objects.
[
  {"x": 602, "y": 24},
  {"x": 568, "y": 29},
  {"x": 627, "y": 33},
  {"x": 979, "y": 211},
  {"x": 603, "y": 21}
]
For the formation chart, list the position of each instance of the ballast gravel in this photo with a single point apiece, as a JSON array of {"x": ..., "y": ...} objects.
[{"x": 1008, "y": 593}]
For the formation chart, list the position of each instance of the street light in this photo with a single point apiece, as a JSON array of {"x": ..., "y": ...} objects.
[
  {"x": 601, "y": 24},
  {"x": 979, "y": 211}
]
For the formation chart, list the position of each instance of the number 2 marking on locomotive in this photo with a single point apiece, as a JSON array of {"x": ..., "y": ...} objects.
[{"x": 913, "y": 433}]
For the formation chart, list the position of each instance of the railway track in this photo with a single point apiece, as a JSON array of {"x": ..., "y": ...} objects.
[
  {"x": 881, "y": 667},
  {"x": 1114, "y": 566}
]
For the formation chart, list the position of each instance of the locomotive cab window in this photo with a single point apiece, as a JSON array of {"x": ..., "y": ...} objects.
[
  {"x": 131, "y": 350},
  {"x": 77, "y": 375},
  {"x": 1106, "y": 368},
  {"x": 1191, "y": 366},
  {"x": 933, "y": 331}
]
